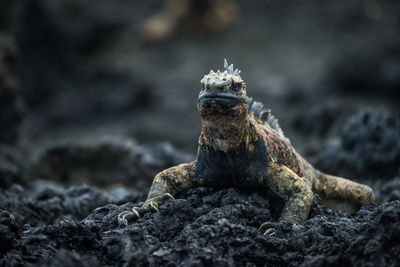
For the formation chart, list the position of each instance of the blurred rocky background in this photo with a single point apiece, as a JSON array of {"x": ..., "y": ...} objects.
[
  {"x": 92, "y": 68},
  {"x": 104, "y": 93}
]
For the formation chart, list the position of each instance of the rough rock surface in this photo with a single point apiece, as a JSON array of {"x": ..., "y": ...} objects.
[
  {"x": 372, "y": 70},
  {"x": 387, "y": 190},
  {"x": 14, "y": 166},
  {"x": 204, "y": 228},
  {"x": 369, "y": 147},
  {"x": 44, "y": 224},
  {"x": 120, "y": 158},
  {"x": 11, "y": 105},
  {"x": 43, "y": 202},
  {"x": 321, "y": 118}
]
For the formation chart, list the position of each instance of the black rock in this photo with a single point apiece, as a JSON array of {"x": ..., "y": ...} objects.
[
  {"x": 369, "y": 147},
  {"x": 44, "y": 202},
  {"x": 11, "y": 104},
  {"x": 387, "y": 190},
  {"x": 321, "y": 118},
  {"x": 109, "y": 160},
  {"x": 9, "y": 232},
  {"x": 14, "y": 166},
  {"x": 67, "y": 258},
  {"x": 214, "y": 227},
  {"x": 373, "y": 70}
]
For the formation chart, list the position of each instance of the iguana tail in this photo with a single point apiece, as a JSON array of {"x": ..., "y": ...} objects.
[{"x": 341, "y": 193}]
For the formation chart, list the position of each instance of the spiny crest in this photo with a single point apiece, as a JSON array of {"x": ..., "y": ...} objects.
[
  {"x": 229, "y": 68},
  {"x": 264, "y": 116},
  {"x": 227, "y": 77}
]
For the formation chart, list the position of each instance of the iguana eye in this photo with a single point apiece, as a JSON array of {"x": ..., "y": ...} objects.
[
  {"x": 203, "y": 87},
  {"x": 236, "y": 87}
]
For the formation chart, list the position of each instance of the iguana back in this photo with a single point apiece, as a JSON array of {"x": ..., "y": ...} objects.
[{"x": 263, "y": 115}]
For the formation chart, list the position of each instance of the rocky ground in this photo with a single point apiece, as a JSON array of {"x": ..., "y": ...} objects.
[
  {"x": 89, "y": 114},
  {"x": 44, "y": 223}
]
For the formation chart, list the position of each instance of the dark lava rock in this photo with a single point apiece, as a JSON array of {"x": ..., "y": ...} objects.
[
  {"x": 212, "y": 227},
  {"x": 387, "y": 190},
  {"x": 44, "y": 202},
  {"x": 11, "y": 105},
  {"x": 320, "y": 119},
  {"x": 369, "y": 147},
  {"x": 375, "y": 69},
  {"x": 14, "y": 166},
  {"x": 9, "y": 232},
  {"x": 69, "y": 258},
  {"x": 116, "y": 158},
  {"x": 58, "y": 41}
]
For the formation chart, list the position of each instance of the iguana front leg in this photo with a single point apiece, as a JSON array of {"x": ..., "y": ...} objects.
[
  {"x": 165, "y": 185},
  {"x": 293, "y": 189}
]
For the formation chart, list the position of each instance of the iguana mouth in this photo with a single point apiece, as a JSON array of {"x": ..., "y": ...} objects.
[{"x": 221, "y": 97}]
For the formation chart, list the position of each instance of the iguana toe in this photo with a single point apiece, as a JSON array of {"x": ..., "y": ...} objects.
[
  {"x": 169, "y": 196},
  {"x": 153, "y": 207},
  {"x": 268, "y": 228},
  {"x": 126, "y": 216},
  {"x": 270, "y": 231}
]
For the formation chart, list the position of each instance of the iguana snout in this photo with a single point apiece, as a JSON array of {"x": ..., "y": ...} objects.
[{"x": 222, "y": 93}]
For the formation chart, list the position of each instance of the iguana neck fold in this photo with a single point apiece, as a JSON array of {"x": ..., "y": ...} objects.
[{"x": 227, "y": 134}]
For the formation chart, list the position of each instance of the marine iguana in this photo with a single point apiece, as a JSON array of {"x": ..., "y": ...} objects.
[{"x": 242, "y": 145}]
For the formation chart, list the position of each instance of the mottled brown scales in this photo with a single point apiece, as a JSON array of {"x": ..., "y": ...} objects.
[
  {"x": 242, "y": 145},
  {"x": 332, "y": 189},
  {"x": 282, "y": 152}
]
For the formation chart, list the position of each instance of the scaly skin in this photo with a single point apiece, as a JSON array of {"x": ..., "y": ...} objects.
[{"x": 246, "y": 148}]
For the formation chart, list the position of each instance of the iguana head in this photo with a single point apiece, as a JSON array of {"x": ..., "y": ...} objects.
[{"x": 222, "y": 92}]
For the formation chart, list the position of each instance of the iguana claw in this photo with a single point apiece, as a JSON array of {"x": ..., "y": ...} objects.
[
  {"x": 168, "y": 195},
  {"x": 268, "y": 228},
  {"x": 134, "y": 211},
  {"x": 150, "y": 205},
  {"x": 270, "y": 231},
  {"x": 126, "y": 216},
  {"x": 153, "y": 207}
]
